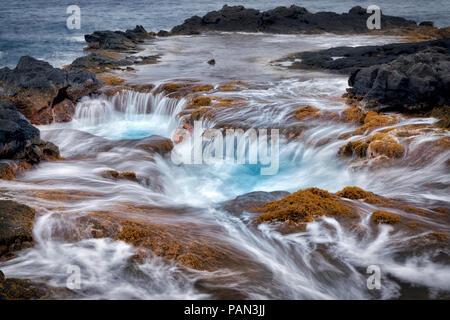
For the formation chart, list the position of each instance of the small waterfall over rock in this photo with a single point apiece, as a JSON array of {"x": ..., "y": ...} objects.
[{"x": 126, "y": 113}]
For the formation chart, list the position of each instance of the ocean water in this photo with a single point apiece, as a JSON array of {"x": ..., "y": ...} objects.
[
  {"x": 38, "y": 27},
  {"x": 326, "y": 261}
]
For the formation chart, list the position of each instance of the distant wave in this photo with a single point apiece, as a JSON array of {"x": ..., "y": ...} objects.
[{"x": 76, "y": 39}]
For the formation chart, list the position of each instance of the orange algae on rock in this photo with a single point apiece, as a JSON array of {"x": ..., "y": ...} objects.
[
  {"x": 163, "y": 242},
  {"x": 113, "y": 174},
  {"x": 305, "y": 112},
  {"x": 172, "y": 87},
  {"x": 185, "y": 88},
  {"x": 379, "y": 144},
  {"x": 8, "y": 170},
  {"x": 368, "y": 119},
  {"x": 375, "y": 120},
  {"x": 110, "y": 80},
  {"x": 203, "y": 106},
  {"x": 304, "y": 206},
  {"x": 385, "y": 144},
  {"x": 201, "y": 101},
  {"x": 354, "y": 114},
  {"x": 202, "y": 87},
  {"x": 354, "y": 193},
  {"x": 232, "y": 85},
  {"x": 440, "y": 236},
  {"x": 385, "y": 217},
  {"x": 199, "y": 113},
  {"x": 309, "y": 112},
  {"x": 354, "y": 148},
  {"x": 142, "y": 88}
]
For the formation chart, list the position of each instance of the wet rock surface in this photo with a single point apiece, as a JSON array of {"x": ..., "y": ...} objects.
[
  {"x": 16, "y": 223},
  {"x": 16, "y": 132},
  {"x": 416, "y": 81},
  {"x": 252, "y": 201},
  {"x": 293, "y": 19},
  {"x": 118, "y": 40},
  {"x": 20, "y": 142},
  {"x": 38, "y": 89},
  {"x": 24, "y": 289},
  {"x": 410, "y": 76},
  {"x": 347, "y": 60},
  {"x": 101, "y": 61}
]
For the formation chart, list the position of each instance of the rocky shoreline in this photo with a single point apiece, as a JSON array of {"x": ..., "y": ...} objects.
[
  {"x": 45, "y": 94},
  {"x": 405, "y": 77},
  {"x": 293, "y": 19}
]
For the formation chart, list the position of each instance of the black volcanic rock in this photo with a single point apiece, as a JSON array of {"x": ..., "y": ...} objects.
[
  {"x": 415, "y": 81},
  {"x": 20, "y": 142},
  {"x": 100, "y": 62},
  {"x": 117, "y": 40},
  {"x": 16, "y": 132},
  {"x": 348, "y": 59},
  {"x": 39, "y": 90},
  {"x": 294, "y": 19}
]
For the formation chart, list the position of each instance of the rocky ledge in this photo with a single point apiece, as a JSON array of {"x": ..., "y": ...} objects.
[
  {"x": 346, "y": 60},
  {"x": 294, "y": 19},
  {"x": 20, "y": 142},
  {"x": 417, "y": 81},
  {"x": 113, "y": 50},
  {"x": 404, "y": 76},
  {"x": 45, "y": 94},
  {"x": 118, "y": 40},
  {"x": 16, "y": 224}
]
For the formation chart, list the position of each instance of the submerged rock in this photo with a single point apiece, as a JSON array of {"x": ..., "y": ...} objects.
[
  {"x": 116, "y": 175},
  {"x": 253, "y": 201},
  {"x": 293, "y": 19},
  {"x": 24, "y": 289},
  {"x": 42, "y": 93},
  {"x": 416, "y": 81},
  {"x": 305, "y": 206},
  {"x": 16, "y": 224},
  {"x": 153, "y": 144}
]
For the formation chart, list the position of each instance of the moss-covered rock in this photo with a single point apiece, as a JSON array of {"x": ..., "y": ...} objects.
[
  {"x": 385, "y": 217},
  {"x": 24, "y": 289},
  {"x": 305, "y": 206},
  {"x": 309, "y": 112},
  {"x": 113, "y": 174},
  {"x": 16, "y": 224}
]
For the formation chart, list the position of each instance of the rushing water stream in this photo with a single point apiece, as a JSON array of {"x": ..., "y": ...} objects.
[{"x": 326, "y": 261}]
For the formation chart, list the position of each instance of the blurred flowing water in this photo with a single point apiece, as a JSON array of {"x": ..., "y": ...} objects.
[
  {"x": 38, "y": 28},
  {"x": 326, "y": 261}
]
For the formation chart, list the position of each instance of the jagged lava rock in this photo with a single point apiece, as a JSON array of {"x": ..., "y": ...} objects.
[
  {"x": 117, "y": 40},
  {"x": 45, "y": 94},
  {"x": 20, "y": 142},
  {"x": 16, "y": 132},
  {"x": 293, "y": 19},
  {"x": 346, "y": 60},
  {"x": 415, "y": 81}
]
